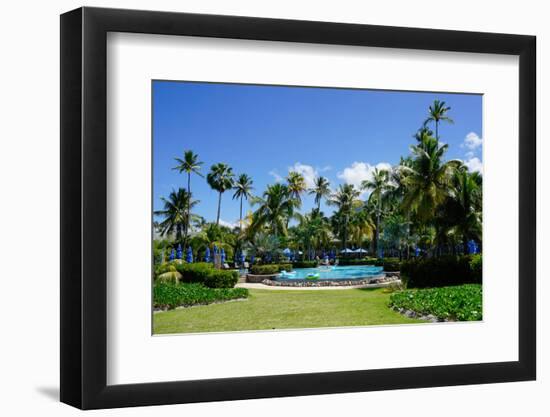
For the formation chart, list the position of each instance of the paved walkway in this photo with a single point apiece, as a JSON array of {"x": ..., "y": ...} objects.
[{"x": 260, "y": 286}]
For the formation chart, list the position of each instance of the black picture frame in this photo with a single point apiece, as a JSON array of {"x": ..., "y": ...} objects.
[{"x": 84, "y": 207}]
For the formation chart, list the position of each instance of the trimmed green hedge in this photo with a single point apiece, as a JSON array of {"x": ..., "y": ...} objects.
[
  {"x": 476, "y": 266},
  {"x": 355, "y": 261},
  {"x": 285, "y": 267},
  {"x": 195, "y": 272},
  {"x": 304, "y": 264},
  {"x": 218, "y": 278},
  {"x": 269, "y": 269},
  {"x": 171, "y": 295},
  {"x": 441, "y": 272},
  {"x": 389, "y": 264},
  {"x": 462, "y": 303}
]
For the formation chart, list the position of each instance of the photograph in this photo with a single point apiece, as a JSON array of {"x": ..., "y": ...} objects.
[{"x": 298, "y": 207}]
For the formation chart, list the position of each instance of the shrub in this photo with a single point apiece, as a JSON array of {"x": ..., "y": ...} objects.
[
  {"x": 172, "y": 295},
  {"x": 195, "y": 272},
  {"x": 218, "y": 278},
  {"x": 389, "y": 264},
  {"x": 269, "y": 269},
  {"x": 285, "y": 267},
  {"x": 354, "y": 261},
  {"x": 461, "y": 303},
  {"x": 304, "y": 264},
  {"x": 169, "y": 273},
  {"x": 439, "y": 272},
  {"x": 476, "y": 266}
]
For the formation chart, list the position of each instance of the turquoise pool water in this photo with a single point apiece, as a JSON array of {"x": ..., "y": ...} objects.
[{"x": 334, "y": 272}]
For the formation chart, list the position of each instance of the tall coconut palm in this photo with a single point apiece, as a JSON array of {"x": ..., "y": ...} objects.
[
  {"x": 361, "y": 226},
  {"x": 427, "y": 178},
  {"x": 437, "y": 112},
  {"x": 175, "y": 213},
  {"x": 189, "y": 164},
  {"x": 296, "y": 185},
  {"x": 274, "y": 209},
  {"x": 220, "y": 178},
  {"x": 243, "y": 189},
  {"x": 345, "y": 199},
  {"x": 378, "y": 185},
  {"x": 321, "y": 189}
]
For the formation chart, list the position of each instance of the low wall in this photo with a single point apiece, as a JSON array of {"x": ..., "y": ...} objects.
[{"x": 257, "y": 279}]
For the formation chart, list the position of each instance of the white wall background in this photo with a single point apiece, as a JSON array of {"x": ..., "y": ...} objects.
[{"x": 29, "y": 212}]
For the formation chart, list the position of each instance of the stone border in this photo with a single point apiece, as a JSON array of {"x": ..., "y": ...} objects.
[
  {"x": 380, "y": 279},
  {"x": 258, "y": 279}
]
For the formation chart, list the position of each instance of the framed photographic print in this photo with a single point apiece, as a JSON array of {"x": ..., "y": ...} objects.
[{"x": 258, "y": 208}]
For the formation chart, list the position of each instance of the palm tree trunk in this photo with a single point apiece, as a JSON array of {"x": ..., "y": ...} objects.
[
  {"x": 437, "y": 129},
  {"x": 219, "y": 208},
  {"x": 319, "y": 206},
  {"x": 241, "y": 220},
  {"x": 186, "y": 232}
]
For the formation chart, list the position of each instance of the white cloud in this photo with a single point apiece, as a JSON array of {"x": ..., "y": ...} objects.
[
  {"x": 472, "y": 141},
  {"x": 469, "y": 155},
  {"x": 231, "y": 225},
  {"x": 275, "y": 175},
  {"x": 474, "y": 165},
  {"x": 359, "y": 172},
  {"x": 308, "y": 172}
]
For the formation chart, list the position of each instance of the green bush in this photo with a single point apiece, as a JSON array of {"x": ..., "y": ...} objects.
[
  {"x": 389, "y": 264},
  {"x": 218, "y": 278},
  {"x": 463, "y": 303},
  {"x": 476, "y": 266},
  {"x": 172, "y": 295},
  {"x": 439, "y": 272},
  {"x": 355, "y": 261},
  {"x": 285, "y": 267},
  {"x": 269, "y": 269},
  {"x": 195, "y": 272},
  {"x": 304, "y": 264}
]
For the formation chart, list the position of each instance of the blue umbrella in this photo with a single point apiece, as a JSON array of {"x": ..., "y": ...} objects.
[
  {"x": 172, "y": 254},
  {"x": 222, "y": 254},
  {"x": 251, "y": 259},
  {"x": 179, "y": 252},
  {"x": 416, "y": 251},
  {"x": 189, "y": 257},
  {"x": 243, "y": 258},
  {"x": 207, "y": 255}
]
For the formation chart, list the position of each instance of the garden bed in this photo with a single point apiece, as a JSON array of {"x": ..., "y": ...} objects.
[
  {"x": 167, "y": 295},
  {"x": 458, "y": 303}
]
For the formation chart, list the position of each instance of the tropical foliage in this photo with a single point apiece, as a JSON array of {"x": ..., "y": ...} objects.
[{"x": 425, "y": 206}]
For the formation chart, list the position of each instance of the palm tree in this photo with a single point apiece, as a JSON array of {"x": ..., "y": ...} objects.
[
  {"x": 296, "y": 185},
  {"x": 243, "y": 188},
  {"x": 427, "y": 178},
  {"x": 321, "y": 189},
  {"x": 220, "y": 178},
  {"x": 176, "y": 213},
  {"x": 378, "y": 185},
  {"x": 437, "y": 113},
  {"x": 345, "y": 199},
  {"x": 189, "y": 164},
  {"x": 361, "y": 227},
  {"x": 275, "y": 207}
]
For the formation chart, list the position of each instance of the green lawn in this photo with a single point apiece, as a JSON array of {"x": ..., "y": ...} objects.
[{"x": 271, "y": 309}]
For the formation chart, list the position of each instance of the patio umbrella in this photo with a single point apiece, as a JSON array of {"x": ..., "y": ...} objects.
[
  {"x": 251, "y": 259},
  {"x": 207, "y": 255},
  {"x": 416, "y": 251},
  {"x": 189, "y": 257},
  {"x": 179, "y": 252},
  {"x": 172, "y": 254},
  {"x": 222, "y": 255},
  {"x": 287, "y": 252},
  {"x": 243, "y": 258},
  {"x": 347, "y": 250}
]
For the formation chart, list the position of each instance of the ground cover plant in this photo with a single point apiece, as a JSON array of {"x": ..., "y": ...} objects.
[
  {"x": 457, "y": 303},
  {"x": 169, "y": 295}
]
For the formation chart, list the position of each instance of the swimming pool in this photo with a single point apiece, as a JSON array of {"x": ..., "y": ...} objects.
[{"x": 333, "y": 273}]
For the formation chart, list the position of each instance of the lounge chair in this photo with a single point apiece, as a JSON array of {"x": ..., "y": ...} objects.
[
  {"x": 245, "y": 265},
  {"x": 226, "y": 266}
]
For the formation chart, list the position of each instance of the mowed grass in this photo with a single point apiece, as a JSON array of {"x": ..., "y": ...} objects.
[{"x": 272, "y": 309}]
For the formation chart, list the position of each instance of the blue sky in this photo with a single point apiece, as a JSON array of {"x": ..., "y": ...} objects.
[{"x": 265, "y": 131}]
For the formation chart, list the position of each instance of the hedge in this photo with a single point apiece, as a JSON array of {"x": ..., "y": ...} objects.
[
  {"x": 441, "y": 272},
  {"x": 218, "y": 278},
  {"x": 172, "y": 295},
  {"x": 304, "y": 264},
  {"x": 269, "y": 269},
  {"x": 389, "y": 264},
  {"x": 195, "y": 272},
  {"x": 462, "y": 303},
  {"x": 352, "y": 261}
]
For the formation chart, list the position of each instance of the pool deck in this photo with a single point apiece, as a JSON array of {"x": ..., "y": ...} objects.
[{"x": 260, "y": 286}]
